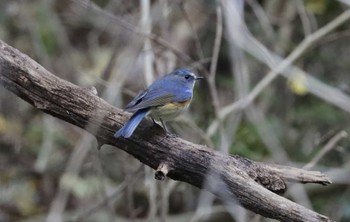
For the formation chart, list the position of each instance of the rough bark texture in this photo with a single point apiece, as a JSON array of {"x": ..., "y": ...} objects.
[{"x": 231, "y": 177}]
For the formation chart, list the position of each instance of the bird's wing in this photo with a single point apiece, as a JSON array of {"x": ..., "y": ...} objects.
[
  {"x": 135, "y": 101},
  {"x": 155, "y": 97}
]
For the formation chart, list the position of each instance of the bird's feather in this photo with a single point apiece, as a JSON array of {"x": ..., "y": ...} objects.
[
  {"x": 154, "y": 98},
  {"x": 130, "y": 126}
]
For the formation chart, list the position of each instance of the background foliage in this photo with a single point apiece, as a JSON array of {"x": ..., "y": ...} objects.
[{"x": 50, "y": 170}]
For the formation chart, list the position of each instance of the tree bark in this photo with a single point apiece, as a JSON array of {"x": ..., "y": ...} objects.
[{"x": 233, "y": 178}]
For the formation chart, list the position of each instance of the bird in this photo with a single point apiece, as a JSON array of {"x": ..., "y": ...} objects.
[{"x": 164, "y": 100}]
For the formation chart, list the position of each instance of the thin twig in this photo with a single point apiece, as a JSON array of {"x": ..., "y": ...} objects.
[
  {"x": 112, "y": 197},
  {"x": 147, "y": 48},
  {"x": 263, "y": 19},
  {"x": 197, "y": 42},
  {"x": 297, "y": 52},
  {"x": 79, "y": 8},
  {"x": 58, "y": 204},
  {"x": 305, "y": 21},
  {"x": 214, "y": 61},
  {"x": 328, "y": 147}
]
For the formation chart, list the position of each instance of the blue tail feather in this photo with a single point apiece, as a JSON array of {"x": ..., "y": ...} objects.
[{"x": 130, "y": 126}]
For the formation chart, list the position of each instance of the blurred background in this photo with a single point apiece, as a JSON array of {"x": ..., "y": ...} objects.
[{"x": 249, "y": 104}]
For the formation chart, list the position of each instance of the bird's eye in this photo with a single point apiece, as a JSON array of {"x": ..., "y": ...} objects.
[{"x": 187, "y": 76}]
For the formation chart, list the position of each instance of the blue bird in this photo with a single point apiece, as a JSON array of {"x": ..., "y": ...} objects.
[{"x": 163, "y": 100}]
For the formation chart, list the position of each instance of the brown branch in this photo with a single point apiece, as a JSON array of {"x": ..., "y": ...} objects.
[{"x": 249, "y": 182}]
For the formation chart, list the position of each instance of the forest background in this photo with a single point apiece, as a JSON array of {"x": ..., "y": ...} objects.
[{"x": 298, "y": 118}]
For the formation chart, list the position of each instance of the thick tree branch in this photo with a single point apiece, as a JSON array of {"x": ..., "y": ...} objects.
[{"x": 236, "y": 177}]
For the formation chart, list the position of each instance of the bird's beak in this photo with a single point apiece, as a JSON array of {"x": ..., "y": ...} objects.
[{"x": 199, "y": 78}]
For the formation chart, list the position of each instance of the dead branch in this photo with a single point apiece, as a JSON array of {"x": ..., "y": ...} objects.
[{"x": 236, "y": 177}]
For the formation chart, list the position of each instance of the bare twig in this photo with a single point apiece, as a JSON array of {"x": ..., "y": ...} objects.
[
  {"x": 197, "y": 42},
  {"x": 305, "y": 21},
  {"x": 81, "y": 9},
  {"x": 76, "y": 159},
  {"x": 262, "y": 18},
  {"x": 112, "y": 197},
  {"x": 214, "y": 61},
  {"x": 329, "y": 146},
  {"x": 297, "y": 52},
  {"x": 147, "y": 48}
]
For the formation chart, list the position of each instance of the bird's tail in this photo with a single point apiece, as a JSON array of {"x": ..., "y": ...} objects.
[{"x": 130, "y": 126}]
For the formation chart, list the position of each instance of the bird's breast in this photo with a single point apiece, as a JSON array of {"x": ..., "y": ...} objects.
[{"x": 169, "y": 111}]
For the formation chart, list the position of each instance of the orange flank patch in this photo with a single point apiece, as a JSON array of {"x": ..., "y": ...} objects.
[
  {"x": 178, "y": 104},
  {"x": 170, "y": 110}
]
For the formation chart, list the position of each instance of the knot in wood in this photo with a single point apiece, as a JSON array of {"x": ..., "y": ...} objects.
[{"x": 161, "y": 171}]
